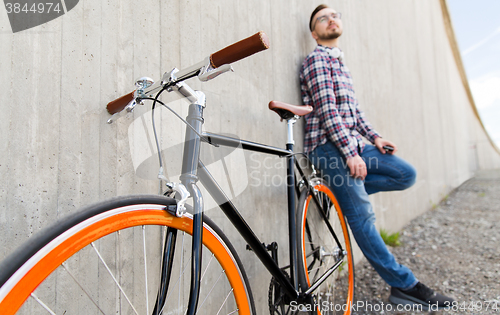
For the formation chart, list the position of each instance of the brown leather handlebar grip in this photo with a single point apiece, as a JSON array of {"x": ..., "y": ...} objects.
[
  {"x": 240, "y": 50},
  {"x": 119, "y": 104}
]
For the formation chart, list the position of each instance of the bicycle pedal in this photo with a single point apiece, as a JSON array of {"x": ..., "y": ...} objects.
[
  {"x": 272, "y": 246},
  {"x": 248, "y": 247},
  {"x": 269, "y": 247}
]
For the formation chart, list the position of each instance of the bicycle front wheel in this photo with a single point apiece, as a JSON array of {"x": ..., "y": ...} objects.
[
  {"x": 107, "y": 260},
  {"x": 319, "y": 251}
]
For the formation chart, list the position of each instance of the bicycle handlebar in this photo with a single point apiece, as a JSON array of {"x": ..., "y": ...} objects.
[
  {"x": 240, "y": 50},
  {"x": 237, "y": 51}
]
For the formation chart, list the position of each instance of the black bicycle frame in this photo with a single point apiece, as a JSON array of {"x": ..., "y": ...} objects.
[
  {"x": 193, "y": 170},
  {"x": 240, "y": 224}
]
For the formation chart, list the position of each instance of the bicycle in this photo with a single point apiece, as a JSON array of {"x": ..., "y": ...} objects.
[{"x": 174, "y": 275}]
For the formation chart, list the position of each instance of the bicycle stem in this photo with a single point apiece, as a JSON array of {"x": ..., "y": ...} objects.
[{"x": 195, "y": 97}]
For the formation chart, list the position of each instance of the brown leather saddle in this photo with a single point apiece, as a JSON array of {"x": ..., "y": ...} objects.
[{"x": 287, "y": 111}]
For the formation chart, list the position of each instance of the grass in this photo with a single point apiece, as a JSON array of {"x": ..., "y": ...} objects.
[
  {"x": 341, "y": 268},
  {"x": 390, "y": 239}
]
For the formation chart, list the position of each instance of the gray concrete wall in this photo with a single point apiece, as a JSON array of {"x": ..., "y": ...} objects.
[{"x": 57, "y": 153}]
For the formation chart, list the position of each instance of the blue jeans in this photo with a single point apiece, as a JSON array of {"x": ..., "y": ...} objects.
[{"x": 386, "y": 172}]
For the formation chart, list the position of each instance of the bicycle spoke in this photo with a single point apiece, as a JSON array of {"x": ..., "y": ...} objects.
[
  {"x": 313, "y": 243},
  {"x": 114, "y": 279},
  {"x": 164, "y": 239},
  {"x": 81, "y": 287},
  {"x": 313, "y": 269},
  {"x": 208, "y": 294},
  {"x": 320, "y": 266},
  {"x": 145, "y": 268},
  {"x": 210, "y": 291},
  {"x": 180, "y": 286},
  {"x": 203, "y": 275},
  {"x": 176, "y": 283},
  {"x": 220, "y": 309},
  {"x": 42, "y": 304},
  {"x": 182, "y": 271}
]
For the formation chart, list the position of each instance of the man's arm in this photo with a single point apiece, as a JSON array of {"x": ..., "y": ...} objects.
[{"x": 318, "y": 78}]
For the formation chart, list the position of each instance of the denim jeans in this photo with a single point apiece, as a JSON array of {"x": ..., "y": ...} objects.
[{"x": 386, "y": 172}]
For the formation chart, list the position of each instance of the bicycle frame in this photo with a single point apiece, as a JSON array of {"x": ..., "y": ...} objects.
[
  {"x": 237, "y": 220},
  {"x": 193, "y": 170}
]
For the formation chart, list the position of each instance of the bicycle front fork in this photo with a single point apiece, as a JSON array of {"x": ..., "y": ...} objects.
[{"x": 188, "y": 179}]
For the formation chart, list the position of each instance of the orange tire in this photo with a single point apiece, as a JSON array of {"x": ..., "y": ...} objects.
[
  {"x": 99, "y": 259},
  {"x": 319, "y": 251}
]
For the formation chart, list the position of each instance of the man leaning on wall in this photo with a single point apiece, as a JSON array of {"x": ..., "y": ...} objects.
[{"x": 333, "y": 133}]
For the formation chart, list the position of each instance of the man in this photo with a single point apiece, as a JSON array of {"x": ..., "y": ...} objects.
[{"x": 354, "y": 169}]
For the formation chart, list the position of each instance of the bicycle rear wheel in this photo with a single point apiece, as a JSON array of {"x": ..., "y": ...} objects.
[
  {"x": 107, "y": 260},
  {"x": 319, "y": 251}
]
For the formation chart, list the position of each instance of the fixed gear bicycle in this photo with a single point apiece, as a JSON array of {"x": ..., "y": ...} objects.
[{"x": 91, "y": 262}]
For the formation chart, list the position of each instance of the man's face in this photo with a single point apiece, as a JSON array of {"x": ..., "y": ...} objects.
[{"x": 326, "y": 26}]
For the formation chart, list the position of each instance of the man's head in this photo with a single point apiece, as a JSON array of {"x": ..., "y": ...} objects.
[{"x": 325, "y": 24}]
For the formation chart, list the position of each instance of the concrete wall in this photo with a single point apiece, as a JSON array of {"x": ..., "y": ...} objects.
[{"x": 57, "y": 153}]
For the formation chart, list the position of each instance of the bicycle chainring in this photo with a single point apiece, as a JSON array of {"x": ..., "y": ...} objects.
[{"x": 278, "y": 301}]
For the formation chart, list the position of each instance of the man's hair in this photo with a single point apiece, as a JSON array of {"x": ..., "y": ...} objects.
[{"x": 318, "y": 8}]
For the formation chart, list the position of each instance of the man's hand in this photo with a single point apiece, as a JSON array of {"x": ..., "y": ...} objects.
[
  {"x": 357, "y": 167},
  {"x": 379, "y": 143}
]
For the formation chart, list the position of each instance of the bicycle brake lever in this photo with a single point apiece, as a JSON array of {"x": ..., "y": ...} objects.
[{"x": 209, "y": 75}]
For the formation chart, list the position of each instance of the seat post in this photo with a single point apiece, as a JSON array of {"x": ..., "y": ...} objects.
[{"x": 290, "y": 122}]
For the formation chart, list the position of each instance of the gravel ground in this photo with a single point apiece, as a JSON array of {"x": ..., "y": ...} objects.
[{"x": 453, "y": 249}]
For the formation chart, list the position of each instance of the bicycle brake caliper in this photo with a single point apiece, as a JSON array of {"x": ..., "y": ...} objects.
[{"x": 184, "y": 194}]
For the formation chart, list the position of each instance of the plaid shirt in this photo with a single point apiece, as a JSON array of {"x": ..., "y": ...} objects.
[{"x": 326, "y": 84}]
